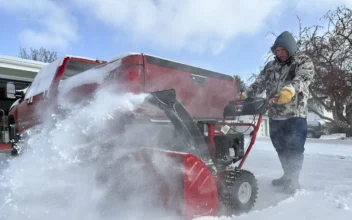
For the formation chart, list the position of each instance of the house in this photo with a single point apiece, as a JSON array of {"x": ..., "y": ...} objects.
[
  {"x": 314, "y": 117},
  {"x": 20, "y": 72}
]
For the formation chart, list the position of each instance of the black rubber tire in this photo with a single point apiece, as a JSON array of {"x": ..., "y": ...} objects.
[{"x": 236, "y": 183}]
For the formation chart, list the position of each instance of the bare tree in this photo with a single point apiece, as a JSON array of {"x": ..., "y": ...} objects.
[
  {"x": 42, "y": 54},
  {"x": 331, "y": 51},
  {"x": 240, "y": 84}
]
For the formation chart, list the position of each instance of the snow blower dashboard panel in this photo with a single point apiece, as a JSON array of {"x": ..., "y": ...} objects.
[{"x": 249, "y": 106}]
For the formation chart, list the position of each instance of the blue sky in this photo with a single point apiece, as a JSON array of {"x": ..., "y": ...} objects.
[{"x": 228, "y": 36}]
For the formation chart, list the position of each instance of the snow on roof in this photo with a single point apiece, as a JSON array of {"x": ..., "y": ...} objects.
[
  {"x": 20, "y": 64},
  {"x": 29, "y": 65}
]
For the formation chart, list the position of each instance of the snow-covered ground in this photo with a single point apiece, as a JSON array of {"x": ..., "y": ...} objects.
[
  {"x": 326, "y": 183},
  {"x": 48, "y": 180}
]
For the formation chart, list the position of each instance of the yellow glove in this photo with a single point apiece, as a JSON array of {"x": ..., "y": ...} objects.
[{"x": 285, "y": 96}]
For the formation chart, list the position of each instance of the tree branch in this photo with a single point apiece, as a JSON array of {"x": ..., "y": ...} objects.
[
  {"x": 322, "y": 116},
  {"x": 318, "y": 99}
]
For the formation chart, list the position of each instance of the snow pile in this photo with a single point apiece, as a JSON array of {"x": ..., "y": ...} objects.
[
  {"x": 333, "y": 136},
  {"x": 67, "y": 169},
  {"x": 337, "y": 136}
]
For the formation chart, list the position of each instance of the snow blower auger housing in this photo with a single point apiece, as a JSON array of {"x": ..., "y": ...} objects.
[{"x": 211, "y": 183}]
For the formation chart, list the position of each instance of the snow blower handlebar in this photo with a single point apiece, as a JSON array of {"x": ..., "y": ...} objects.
[{"x": 249, "y": 106}]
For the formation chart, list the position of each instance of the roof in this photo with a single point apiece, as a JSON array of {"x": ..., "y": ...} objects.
[
  {"x": 14, "y": 68},
  {"x": 20, "y": 64}
]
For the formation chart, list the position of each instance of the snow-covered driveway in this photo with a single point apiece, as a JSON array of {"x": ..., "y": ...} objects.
[
  {"x": 35, "y": 187},
  {"x": 326, "y": 183}
]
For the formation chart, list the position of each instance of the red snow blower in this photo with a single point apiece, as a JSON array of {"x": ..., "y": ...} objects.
[{"x": 196, "y": 175}]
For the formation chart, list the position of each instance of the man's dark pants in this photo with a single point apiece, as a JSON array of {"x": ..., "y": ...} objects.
[{"x": 288, "y": 137}]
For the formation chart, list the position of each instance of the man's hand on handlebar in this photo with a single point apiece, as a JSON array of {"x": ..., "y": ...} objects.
[
  {"x": 273, "y": 100},
  {"x": 243, "y": 94}
]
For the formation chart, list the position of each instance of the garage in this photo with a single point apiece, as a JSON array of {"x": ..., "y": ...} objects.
[{"x": 20, "y": 72}]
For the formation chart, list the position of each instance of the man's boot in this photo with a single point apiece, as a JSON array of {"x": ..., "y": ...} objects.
[
  {"x": 281, "y": 181},
  {"x": 291, "y": 185},
  {"x": 295, "y": 163}
]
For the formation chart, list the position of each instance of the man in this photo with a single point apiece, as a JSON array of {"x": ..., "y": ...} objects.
[{"x": 287, "y": 77}]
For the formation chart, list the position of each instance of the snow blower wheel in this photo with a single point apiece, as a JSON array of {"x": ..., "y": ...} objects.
[{"x": 239, "y": 192}]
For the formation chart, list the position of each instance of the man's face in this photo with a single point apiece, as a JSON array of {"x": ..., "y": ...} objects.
[{"x": 282, "y": 54}]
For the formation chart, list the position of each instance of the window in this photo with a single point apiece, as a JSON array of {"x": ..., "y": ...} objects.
[{"x": 75, "y": 67}]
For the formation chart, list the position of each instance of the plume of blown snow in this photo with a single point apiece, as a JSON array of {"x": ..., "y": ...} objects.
[{"x": 66, "y": 167}]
